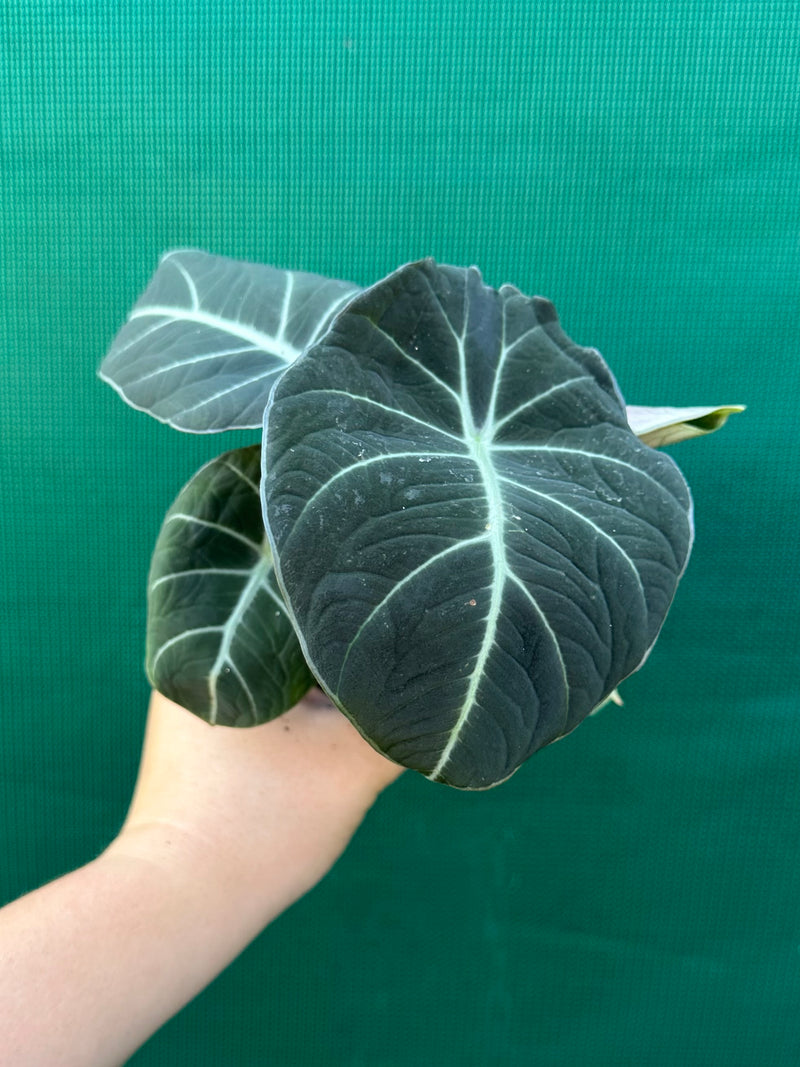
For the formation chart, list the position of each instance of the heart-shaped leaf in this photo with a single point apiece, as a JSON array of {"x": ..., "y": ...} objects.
[
  {"x": 204, "y": 344},
  {"x": 474, "y": 547},
  {"x": 219, "y": 641}
]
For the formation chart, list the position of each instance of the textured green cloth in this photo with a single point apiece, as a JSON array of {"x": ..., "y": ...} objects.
[{"x": 632, "y": 895}]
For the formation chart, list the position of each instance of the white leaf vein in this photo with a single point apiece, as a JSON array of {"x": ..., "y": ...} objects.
[
  {"x": 584, "y": 519},
  {"x": 602, "y": 457},
  {"x": 241, "y": 474},
  {"x": 205, "y": 571},
  {"x": 286, "y": 303},
  {"x": 537, "y": 399},
  {"x": 195, "y": 299},
  {"x": 426, "y": 370},
  {"x": 244, "y": 383},
  {"x": 390, "y": 410},
  {"x": 182, "y": 362},
  {"x": 229, "y": 631},
  {"x": 399, "y": 586},
  {"x": 495, "y": 527},
  {"x": 324, "y": 320},
  {"x": 367, "y": 462},
  {"x": 282, "y": 349},
  {"x": 182, "y": 516}
]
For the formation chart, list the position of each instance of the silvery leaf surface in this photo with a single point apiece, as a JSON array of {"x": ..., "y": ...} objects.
[
  {"x": 474, "y": 546},
  {"x": 209, "y": 336},
  {"x": 658, "y": 426},
  {"x": 219, "y": 641}
]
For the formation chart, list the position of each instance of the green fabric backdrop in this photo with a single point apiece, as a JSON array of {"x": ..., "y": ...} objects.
[{"x": 632, "y": 895}]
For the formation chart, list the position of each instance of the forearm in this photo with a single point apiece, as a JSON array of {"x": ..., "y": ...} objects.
[
  {"x": 212, "y": 850},
  {"x": 95, "y": 962}
]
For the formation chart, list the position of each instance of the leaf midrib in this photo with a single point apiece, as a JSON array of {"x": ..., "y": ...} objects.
[
  {"x": 275, "y": 346},
  {"x": 495, "y": 528},
  {"x": 229, "y": 631},
  {"x": 478, "y": 442}
]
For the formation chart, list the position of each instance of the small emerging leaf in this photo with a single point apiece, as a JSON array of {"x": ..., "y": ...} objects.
[
  {"x": 209, "y": 336},
  {"x": 218, "y": 638},
  {"x": 666, "y": 426}
]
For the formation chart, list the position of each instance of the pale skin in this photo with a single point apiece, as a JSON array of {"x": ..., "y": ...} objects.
[{"x": 226, "y": 829}]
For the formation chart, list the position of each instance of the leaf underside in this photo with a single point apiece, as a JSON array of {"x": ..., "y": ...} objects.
[
  {"x": 209, "y": 336},
  {"x": 661, "y": 426},
  {"x": 473, "y": 545},
  {"x": 219, "y": 641}
]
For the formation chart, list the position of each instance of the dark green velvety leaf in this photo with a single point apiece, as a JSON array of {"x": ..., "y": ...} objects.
[
  {"x": 219, "y": 641},
  {"x": 474, "y": 546},
  {"x": 209, "y": 336}
]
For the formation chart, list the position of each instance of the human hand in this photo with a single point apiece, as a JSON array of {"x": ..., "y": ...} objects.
[{"x": 290, "y": 792}]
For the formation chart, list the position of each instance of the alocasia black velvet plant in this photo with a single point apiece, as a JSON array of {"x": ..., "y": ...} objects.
[{"x": 453, "y": 523}]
